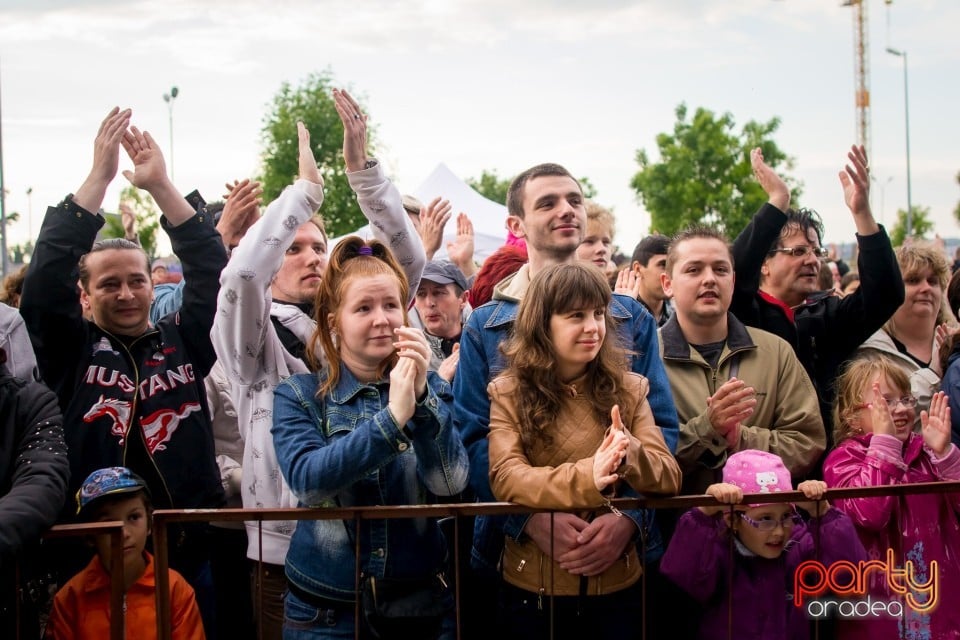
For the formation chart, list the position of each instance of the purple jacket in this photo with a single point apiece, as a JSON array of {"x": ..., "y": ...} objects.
[
  {"x": 698, "y": 560},
  {"x": 921, "y": 528}
]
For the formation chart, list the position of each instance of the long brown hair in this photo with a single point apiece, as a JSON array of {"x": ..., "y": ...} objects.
[
  {"x": 532, "y": 358},
  {"x": 351, "y": 258}
]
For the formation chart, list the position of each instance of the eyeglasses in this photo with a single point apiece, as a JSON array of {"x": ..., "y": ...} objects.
[
  {"x": 908, "y": 402},
  {"x": 767, "y": 523},
  {"x": 801, "y": 250}
]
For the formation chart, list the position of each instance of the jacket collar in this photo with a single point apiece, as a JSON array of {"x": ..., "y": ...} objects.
[
  {"x": 348, "y": 387},
  {"x": 100, "y": 579},
  {"x": 675, "y": 345}
]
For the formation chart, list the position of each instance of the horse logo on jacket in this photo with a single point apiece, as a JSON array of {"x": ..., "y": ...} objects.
[{"x": 160, "y": 425}]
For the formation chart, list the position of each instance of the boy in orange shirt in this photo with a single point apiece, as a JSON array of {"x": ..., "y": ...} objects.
[{"x": 81, "y": 609}]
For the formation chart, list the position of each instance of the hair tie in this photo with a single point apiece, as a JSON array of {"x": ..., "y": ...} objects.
[{"x": 365, "y": 251}]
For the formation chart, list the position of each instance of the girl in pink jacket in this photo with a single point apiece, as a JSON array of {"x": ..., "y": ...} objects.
[{"x": 874, "y": 417}]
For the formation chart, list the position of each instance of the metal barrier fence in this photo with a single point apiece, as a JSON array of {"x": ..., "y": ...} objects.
[{"x": 163, "y": 519}]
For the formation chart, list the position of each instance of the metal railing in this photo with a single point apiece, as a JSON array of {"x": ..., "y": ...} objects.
[{"x": 164, "y": 518}]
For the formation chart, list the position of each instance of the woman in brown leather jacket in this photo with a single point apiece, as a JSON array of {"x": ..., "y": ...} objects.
[{"x": 570, "y": 429}]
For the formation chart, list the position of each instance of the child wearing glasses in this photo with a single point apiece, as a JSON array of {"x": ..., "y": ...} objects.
[
  {"x": 752, "y": 575},
  {"x": 876, "y": 445}
]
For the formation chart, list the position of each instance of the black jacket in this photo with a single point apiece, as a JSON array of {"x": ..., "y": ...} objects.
[
  {"x": 33, "y": 476},
  {"x": 137, "y": 402},
  {"x": 827, "y": 329}
]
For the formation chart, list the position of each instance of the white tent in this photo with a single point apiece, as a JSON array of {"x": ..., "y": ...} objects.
[{"x": 488, "y": 217}]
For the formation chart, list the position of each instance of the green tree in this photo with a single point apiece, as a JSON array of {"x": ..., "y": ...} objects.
[
  {"x": 147, "y": 220},
  {"x": 312, "y": 103},
  {"x": 703, "y": 174},
  {"x": 492, "y": 187},
  {"x": 921, "y": 225}
]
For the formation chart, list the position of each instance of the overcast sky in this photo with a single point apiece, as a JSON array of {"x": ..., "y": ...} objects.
[{"x": 484, "y": 84}]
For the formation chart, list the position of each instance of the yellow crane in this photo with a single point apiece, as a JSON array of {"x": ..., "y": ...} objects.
[{"x": 861, "y": 68}]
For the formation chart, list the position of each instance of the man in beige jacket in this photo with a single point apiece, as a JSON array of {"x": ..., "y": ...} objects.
[{"x": 735, "y": 387}]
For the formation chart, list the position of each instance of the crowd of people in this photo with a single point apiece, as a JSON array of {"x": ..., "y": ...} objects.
[{"x": 278, "y": 371}]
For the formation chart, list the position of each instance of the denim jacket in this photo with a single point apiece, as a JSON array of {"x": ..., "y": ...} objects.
[
  {"x": 481, "y": 361},
  {"x": 347, "y": 450}
]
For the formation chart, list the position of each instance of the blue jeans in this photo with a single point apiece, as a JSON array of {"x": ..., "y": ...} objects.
[{"x": 303, "y": 621}]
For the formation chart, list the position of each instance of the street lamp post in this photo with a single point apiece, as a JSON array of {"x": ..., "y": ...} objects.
[
  {"x": 169, "y": 98},
  {"x": 906, "y": 116}
]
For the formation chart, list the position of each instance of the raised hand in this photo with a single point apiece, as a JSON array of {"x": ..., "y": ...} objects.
[
  {"x": 354, "y": 130},
  {"x": 241, "y": 210},
  {"x": 306, "y": 160},
  {"x": 773, "y": 185},
  {"x": 732, "y": 404},
  {"x": 149, "y": 171},
  {"x": 813, "y": 490},
  {"x": 412, "y": 345},
  {"x": 460, "y": 251},
  {"x": 106, "y": 160},
  {"x": 628, "y": 283},
  {"x": 433, "y": 218},
  {"x": 935, "y": 424},
  {"x": 855, "y": 179}
]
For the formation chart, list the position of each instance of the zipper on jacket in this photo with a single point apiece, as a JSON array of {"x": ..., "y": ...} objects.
[
  {"x": 613, "y": 509},
  {"x": 133, "y": 411},
  {"x": 541, "y": 590}
]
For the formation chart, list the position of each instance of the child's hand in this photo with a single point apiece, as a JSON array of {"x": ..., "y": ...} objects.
[
  {"x": 723, "y": 492},
  {"x": 813, "y": 490},
  {"x": 935, "y": 424},
  {"x": 880, "y": 412}
]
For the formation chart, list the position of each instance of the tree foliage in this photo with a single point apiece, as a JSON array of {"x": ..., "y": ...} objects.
[
  {"x": 491, "y": 186},
  {"x": 921, "y": 225},
  {"x": 147, "y": 215},
  {"x": 312, "y": 103},
  {"x": 703, "y": 174}
]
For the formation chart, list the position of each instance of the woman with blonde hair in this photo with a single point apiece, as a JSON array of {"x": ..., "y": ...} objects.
[{"x": 910, "y": 336}]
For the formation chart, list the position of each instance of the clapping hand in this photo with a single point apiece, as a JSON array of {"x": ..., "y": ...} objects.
[
  {"x": 935, "y": 424},
  {"x": 354, "y": 130},
  {"x": 628, "y": 283},
  {"x": 611, "y": 452}
]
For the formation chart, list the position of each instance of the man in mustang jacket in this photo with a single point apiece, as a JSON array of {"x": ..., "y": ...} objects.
[{"x": 131, "y": 392}]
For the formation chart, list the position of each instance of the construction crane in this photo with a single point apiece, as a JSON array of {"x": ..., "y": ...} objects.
[{"x": 861, "y": 69}]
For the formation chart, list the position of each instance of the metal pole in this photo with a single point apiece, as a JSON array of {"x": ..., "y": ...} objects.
[{"x": 906, "y": 117}]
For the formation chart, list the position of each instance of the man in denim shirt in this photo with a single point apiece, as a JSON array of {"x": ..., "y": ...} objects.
[{"x": 546, "y": 207}]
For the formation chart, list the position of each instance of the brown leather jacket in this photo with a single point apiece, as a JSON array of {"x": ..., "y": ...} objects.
[{"x": 560, "y": 476}]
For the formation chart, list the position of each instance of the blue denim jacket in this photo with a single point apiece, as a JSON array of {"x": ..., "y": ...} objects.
[
  {"x": 346, "y": 450},
  {"x": 481, "y": 361}
]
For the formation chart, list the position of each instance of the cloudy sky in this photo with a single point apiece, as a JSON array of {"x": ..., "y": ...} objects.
[{"x": 484, "y": 84}]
